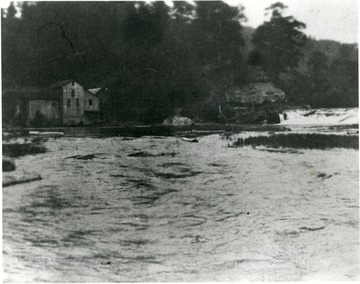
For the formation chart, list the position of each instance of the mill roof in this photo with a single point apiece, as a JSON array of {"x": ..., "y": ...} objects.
[{"x": 59, "y": 84}]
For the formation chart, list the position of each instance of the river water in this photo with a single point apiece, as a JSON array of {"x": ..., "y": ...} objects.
[
  {"x": 180, "y": 211},
  {"x": 339, "y": 116}
]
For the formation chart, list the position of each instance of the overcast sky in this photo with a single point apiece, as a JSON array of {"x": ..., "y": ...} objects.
[{"x": 325, "y": 19}]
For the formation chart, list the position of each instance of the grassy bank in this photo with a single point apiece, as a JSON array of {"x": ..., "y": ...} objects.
[{"x": 303, "y": 141}]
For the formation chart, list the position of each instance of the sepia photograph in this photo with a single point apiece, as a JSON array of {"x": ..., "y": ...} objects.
[{"x": 180, "y": 141}]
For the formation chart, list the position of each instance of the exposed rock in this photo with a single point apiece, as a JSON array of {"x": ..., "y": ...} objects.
[
  {"x": 272, "y": 117},
  {"x": 143, "y": 154},
  {"x": 310, "y": 113},
  {"x": 184, "y": 174},
  {"x": 311, "y": 229},
  {"x": 251, "y": 117},
  {"x": 288, "y": 233},
  {"x": 256, "y": 94},
  {"x": 39, "y": 140},
  {"x": 199, "y": 239},
  {"x": 22, "y": 149},
  {"x": 12, "y": 179},
  {"x": 8, "y": 165},
  {"x": 193, "y": 140},
  {"x": 323, "y": 175},
  {"x": 178, "y": 121},
  {"x": 257, "y": 117},
  {"x": 83, "y": 157}
]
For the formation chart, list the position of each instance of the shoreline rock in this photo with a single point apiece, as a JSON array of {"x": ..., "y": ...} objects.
[
  {"x": 8, "y": 165},
  {"x": 18, "y": 178},
  {"x": 178, "y": 121},
  {"x": 22, "y": 149}
]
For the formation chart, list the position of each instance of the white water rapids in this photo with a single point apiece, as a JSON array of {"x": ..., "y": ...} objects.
[{"x": 320, "y": 116}]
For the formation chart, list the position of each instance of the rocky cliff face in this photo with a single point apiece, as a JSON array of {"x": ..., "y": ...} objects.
[{"x": 257, "y": 94}]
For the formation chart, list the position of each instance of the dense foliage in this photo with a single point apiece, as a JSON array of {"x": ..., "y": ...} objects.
[
  {"x": 152, "y": 59},
  {"x": 278, "y": 43}
]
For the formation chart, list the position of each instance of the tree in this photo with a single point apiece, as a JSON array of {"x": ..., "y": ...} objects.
[
  {"x": 11, "y": 11},
  {"x": 343, "y": 78},
  {"x": 278, "y": 42},
  {"x": 318, "y": 72},
  {"x": 152, "y": 58},
  {"x": 217, "y": 59},
  {"x": 11, "y": 47}
]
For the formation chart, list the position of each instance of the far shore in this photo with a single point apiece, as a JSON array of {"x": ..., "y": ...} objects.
[{"x": 144, "y": 130}]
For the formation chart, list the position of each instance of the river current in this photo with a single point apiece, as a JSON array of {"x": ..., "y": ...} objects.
[{"x": 163, "y": 209}]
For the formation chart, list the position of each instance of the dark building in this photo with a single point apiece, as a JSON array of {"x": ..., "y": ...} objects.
[{"x": 63, "y": 103}]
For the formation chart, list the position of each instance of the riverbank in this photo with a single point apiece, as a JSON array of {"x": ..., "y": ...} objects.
[
  {"x": 146, "y": 130},
  {"x": 159, "y": 130},
  {"x": 334, "y": 120}
]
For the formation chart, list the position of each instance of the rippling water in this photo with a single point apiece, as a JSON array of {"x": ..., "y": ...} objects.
[
  {"x": 324, "y": 116},
  {"x": 181, "y": 212}
]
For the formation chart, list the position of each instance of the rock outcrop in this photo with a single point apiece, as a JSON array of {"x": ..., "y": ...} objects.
[
  {"x": 19, "y": 177},
  {"x": 178, "y": 121},
  {"x": 8, "y": 165},
  {"x": 256, "y": 94}
]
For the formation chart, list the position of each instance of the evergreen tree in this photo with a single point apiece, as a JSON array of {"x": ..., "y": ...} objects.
[
  {"x": 279, "y": 42},
  {"x": 318, "y": 72},
  {"x": 343, "y": 77},
  {"x": 11, "y": 11},
  {"x": 153, "y": 58},
  {"x": 11, "y": 47},
  {"x": 217, "y": 50}
]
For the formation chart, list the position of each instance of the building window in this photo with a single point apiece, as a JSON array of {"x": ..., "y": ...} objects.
[
  {"x": 77, "y": 103},
  {"x": 69, "y": 103},
  {"x": 73, "y": 93},
  {"x": 90, "y": 102},
  {"x": 73, "y": 83}
]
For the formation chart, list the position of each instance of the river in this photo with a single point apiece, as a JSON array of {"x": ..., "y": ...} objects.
[{"x": 163, "y": 209}]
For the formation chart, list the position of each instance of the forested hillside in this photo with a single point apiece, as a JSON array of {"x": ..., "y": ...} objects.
[
  {"x": 326, "y": 76},
  {"x": 152, "y": 58}
]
